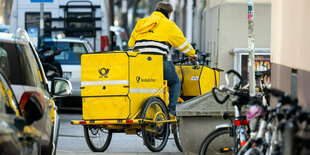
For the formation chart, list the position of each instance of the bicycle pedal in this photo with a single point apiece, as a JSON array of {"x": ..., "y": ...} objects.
[{"x": 225, "y": 149}]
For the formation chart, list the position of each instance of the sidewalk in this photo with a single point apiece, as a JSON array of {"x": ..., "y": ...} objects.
[{"x": 63, "y": 152}]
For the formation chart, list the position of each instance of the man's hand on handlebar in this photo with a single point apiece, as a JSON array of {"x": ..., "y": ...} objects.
[{"x": 193, "y": 58}]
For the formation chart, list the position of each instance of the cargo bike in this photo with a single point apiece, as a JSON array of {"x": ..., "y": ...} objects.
[{"x": 126, "y": 92}]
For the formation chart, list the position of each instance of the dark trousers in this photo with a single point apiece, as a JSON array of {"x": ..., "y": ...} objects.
[{"x": 174, "y": 83}]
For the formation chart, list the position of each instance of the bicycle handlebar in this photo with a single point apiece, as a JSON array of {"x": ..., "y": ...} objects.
[
  {"x": 237, "y": 86},
  {"x": 186, "y": 59},
  {"x": 196, "y": 65},
  {"x": 282, "y": 96},
  {"x": 180, "y": 61},
  {"x": 226, "y": 88},
  {"x": 216, "y": 98}
]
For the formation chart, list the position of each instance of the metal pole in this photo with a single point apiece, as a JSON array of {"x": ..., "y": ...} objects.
[
  {"x": 41, "y": 24},
  {"x": 251, "y": 47}
]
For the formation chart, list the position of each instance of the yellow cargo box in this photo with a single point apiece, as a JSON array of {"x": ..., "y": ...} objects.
[
  {"x": 104, "y": 107},
  {"x": 116, "y": 85},
  {"x": 196, "y": 82}
]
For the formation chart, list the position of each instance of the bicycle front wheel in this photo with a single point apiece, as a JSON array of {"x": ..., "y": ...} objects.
[
  {"x": 176, "y": 136},
  {"x": 218, "y": 141}
]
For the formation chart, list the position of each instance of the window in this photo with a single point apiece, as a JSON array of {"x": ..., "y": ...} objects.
[
  {"x": 9, "y": 63},
  {"x": 17, "y": 64},
  {"x": 2, "y": 99},
  {"x": 27, "y": 65},
  {"x": 8, "y": 97},
  {"x": 80, "y": 24},
  {"x": 70, "y": 56},
  {"x": 38, "y": 71},
  {"x": 32, "y": 23}
]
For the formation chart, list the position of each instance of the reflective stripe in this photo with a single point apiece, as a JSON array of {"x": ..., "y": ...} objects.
[
  {"x": 94, "y": 83},
  {"x": 187, "y": 50},
  {"x": 155, "y": 50},
  {"x": 152, "y": 43},
  {"x": 136, "y": 90},
  {"x": 182, "y": 46}
]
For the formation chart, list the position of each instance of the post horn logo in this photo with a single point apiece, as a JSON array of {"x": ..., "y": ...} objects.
[
  {"x": 103, "y": 72},
  {"x": 138, "y": 79}
]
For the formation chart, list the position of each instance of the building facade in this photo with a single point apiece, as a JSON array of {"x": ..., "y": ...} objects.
[{"x": 289, "y": 45}]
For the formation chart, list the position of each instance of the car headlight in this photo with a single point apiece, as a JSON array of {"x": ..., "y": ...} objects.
[{"x": 66, "y": 75}]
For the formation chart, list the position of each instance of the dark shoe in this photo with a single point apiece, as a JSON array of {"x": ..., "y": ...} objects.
[{"x": 172, "y": 111}]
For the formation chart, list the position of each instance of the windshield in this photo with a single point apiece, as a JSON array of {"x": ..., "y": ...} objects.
[{"x": 71, "y": 54}]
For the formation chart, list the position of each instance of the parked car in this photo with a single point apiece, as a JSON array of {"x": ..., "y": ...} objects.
[
  {"x": 20, "y": 63},
  {"x": 70, "y": 60},
  {"x": 14, "y": 136},
  {"x": 4, "y": 28},
  {"x": 119, "y": 38}
]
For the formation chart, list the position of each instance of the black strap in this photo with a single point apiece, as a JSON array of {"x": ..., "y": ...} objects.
[{"x": 162, "y": 11}]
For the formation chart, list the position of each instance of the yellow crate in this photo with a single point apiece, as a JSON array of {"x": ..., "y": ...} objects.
[
  {"x": 108, "y": 78},
  {"x": 197, "y": 81}
]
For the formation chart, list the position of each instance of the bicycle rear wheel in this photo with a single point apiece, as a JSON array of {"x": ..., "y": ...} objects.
[
  {"x": 155, "y": 135},
  {"x": 97, "y": 138},
  {"x": 218, "y": 141}
]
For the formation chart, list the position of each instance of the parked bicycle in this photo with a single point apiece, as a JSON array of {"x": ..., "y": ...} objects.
[
  {"x": 235, "y": 134},
  {"x": 277, "y": 131},
  {"x": 237, "y": 131}
]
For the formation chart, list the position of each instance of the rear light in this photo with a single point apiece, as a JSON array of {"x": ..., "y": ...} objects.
[
  {"x": 82, "y": 122},
  {"x": 241, "y": 122},
  {"x": 25, "y": 98},
  {"x": 104, "y": 43},
  {"x": 242, "y": 143},
  {"x": 129, "y": 121}
]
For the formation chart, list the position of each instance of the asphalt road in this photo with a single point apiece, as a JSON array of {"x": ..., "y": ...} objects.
[{"x": 71, "y": 140}]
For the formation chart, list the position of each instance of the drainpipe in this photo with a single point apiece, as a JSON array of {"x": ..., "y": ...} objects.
[
  {"x": 201, "y": 29},
  {"x": 189, "y": 20},
  {"x": 218, "y": 34}
]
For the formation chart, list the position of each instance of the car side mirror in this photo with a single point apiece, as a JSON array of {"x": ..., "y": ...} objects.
[
  {"x": 61, "y": 87},
  {"x": 32, "y": 106}
]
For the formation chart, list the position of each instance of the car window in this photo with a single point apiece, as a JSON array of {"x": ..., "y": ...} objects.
[
  {"x": 9, "y": 62},
  {"x": 71, "y": 54},
  {"x": 7, "y": 97},
  {"x": 39, "y": 73},
  {"x": 27, "y": 64},
  {"x": 2, "y": 97}
]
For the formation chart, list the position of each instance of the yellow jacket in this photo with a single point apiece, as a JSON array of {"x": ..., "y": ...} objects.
[{"x": 160, "y": 29}]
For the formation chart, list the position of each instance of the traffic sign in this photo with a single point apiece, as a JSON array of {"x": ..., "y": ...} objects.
[{"x": 41, "y": 1}]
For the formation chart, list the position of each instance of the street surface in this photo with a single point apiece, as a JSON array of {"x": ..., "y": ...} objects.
[{"x": 71, "y": 140}]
